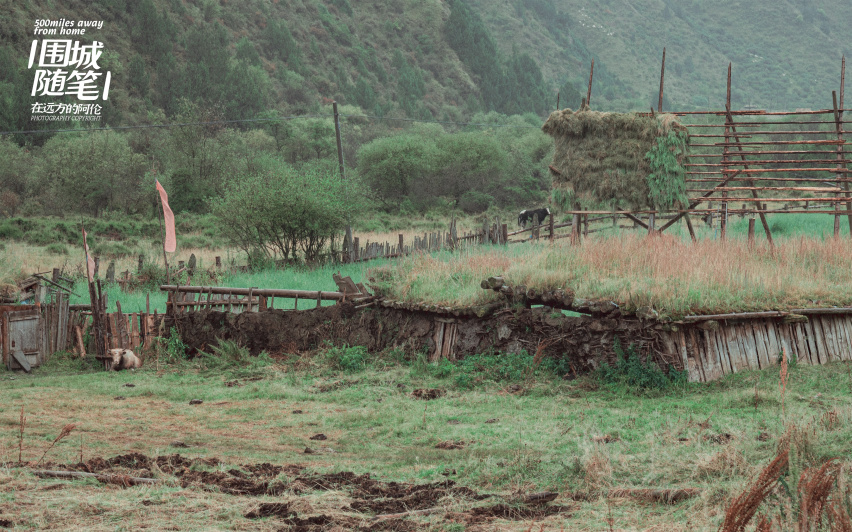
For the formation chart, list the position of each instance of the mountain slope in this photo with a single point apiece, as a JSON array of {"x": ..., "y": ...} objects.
[{"x": 785, "y": 53}]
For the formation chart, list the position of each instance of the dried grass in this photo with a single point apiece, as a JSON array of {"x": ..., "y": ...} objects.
[
  {"x": 601, "y": 156},
  {"x": 727, "y": 463},
  {"x": 743, "y": 507},
  {"x": 66, "y": 431},
  {"x": 707, "y": 277},
  {"x": 815, "y": 487},
  {"x": 661, "y": 496}
]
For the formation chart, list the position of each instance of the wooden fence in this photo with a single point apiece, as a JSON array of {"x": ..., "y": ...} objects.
[{"x": 734, "y": 345}]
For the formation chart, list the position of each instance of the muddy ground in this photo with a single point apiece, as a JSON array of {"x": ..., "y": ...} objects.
[
  {"x": 584, "y": 341},
  {"x": 374, "y": 505}
]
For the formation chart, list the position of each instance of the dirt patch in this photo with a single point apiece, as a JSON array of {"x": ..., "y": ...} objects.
[
  {"x": 427, "y": 394},
  {"x": 484, "y": 514},
  {"x": 451, "y": 444},
  {"x": 370, "y": 495},
  {"x": 270, "y": 509}
]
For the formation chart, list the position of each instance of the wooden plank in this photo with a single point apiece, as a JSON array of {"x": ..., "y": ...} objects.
[
  {"x": 688, "y": 365},
  {"x": 844, "y": 324},
  {"x": 750, "y": 346},
  {"x": 746, "y": 349},
  {"x": 722, "y": 348},
  {"x": 837, "y": 336},
  {"x": 768, "y": 358},
  {"x": 833, "y": 339},
  {"x": 773, "y": 341},
  {"x": 758, "y": 345},
  {"x": 802, "y": 351},
  {"x": 134, "y": 327},
  {"x": 783, "y": 331},
  {"x": 21, "y": 359},
  {"x": 714, "y": 366},
  {"x": 819, "y": 340},
  {"x": 845, "y": 339},
  {"x": 695, "y": 359},
  {"x": 810, "y": 340},
  {"x": 733, "y": 347},
  {"x": 828, "y": 338}
]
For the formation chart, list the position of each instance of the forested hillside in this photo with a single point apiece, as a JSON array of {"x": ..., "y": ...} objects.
[
  {"x": 487, "y": 70},
  {"x": 785, "y": 53},
  {"x": 441, "y": 59}
]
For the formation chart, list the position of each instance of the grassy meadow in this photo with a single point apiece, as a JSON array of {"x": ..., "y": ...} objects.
[
  {"x": 808, "y": 268},
  {"x": 582, "y": 438}
]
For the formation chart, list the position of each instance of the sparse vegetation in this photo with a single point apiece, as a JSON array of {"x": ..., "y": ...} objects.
[{"x": 685, "y": 454}]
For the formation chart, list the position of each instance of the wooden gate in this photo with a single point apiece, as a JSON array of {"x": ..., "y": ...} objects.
[{"x": 22, "y": 338}]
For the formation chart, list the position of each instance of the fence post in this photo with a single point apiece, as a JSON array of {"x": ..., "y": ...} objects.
[{"x": 750, "y": 232}]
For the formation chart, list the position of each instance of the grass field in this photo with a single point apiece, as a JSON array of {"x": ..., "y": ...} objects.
[
  {"x": 519, "y": 431},
  {"x": 675, "y": 276}
]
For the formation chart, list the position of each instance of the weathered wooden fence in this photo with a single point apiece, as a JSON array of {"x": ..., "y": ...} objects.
[{"x": 711, "y": 349}]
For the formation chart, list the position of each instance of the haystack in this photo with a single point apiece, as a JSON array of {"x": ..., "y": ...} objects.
[{"x": 618, "y": 160}]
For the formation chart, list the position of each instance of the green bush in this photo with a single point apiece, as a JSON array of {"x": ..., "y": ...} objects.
[
  {"x": 57, "y": 249},
  {"x": 351, "y": 359},
  {"x": 495, "y": 367},
  {"x": 230, "y": 356},
  {"x": 630, "y": 371}
]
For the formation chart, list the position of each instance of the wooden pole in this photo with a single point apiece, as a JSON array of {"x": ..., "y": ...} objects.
[
  {"x": 662, "y": 79},
  {"x": 729, "y": 119},
  {"x": 689, "y": 227},
  {"x": 339, "y": 141},
  {"x": 589, "y": 94},
  {"x": 557, "y": 100},
  {"x": 845, "y": 184},
  {"x": 750, "y": 232}
]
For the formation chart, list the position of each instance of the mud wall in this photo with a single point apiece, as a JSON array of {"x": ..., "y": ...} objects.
[{"x": 585, "y": 341}]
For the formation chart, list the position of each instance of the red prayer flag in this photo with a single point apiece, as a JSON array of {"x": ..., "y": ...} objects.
[
  {"x": 90, "y": 263},
  {"x": 170, "y": 244}
]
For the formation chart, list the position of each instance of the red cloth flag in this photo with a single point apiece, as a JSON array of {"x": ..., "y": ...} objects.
[
  {"x": 170, "y": 244},
  {"x": 90, "y": 263}
]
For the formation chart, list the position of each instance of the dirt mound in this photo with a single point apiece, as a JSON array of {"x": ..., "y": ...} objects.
[
  {"x": 585, "y": 341},
  {"x": 427, "y": 394},
  {"x": 269, "y": 509},
  {"x": 371, "y": 496}
]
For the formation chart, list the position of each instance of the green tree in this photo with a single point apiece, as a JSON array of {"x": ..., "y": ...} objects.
[
  {"x": 153, "y": 30},
  {"x": 90, "y": 173},
  {"x": 285, "y": 212},
  {"x": 245, "y": 91},
  {"x": 138, "y": 77},
  {"x": 390, "y": 165},
  {"x": 279, "y": 41}
]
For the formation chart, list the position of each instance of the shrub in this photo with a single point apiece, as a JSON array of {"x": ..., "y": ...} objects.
[
  {"x": 255, "y": 215},
  {"x": 57, "y": 249},
  {"x": 495, "y": 367},
  {"x": 228, "y": 355},
  {"x": 630, "y": 371},
  {"x": 351, "y": 359}
]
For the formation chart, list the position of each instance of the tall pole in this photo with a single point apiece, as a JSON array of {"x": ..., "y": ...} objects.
[
  {"x": 662, "y": 79},
  {"x": 589, "y": 94},
  {"x": 339, "y": 142},
  {"x": 348, "y": 240},
  {"x": 840, "y": 148}
]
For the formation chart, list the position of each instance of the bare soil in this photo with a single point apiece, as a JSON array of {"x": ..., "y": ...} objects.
[{"x": 371, "y": 497}]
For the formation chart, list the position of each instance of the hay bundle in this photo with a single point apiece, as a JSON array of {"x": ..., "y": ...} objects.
[{"x": 617, "y": 160}]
